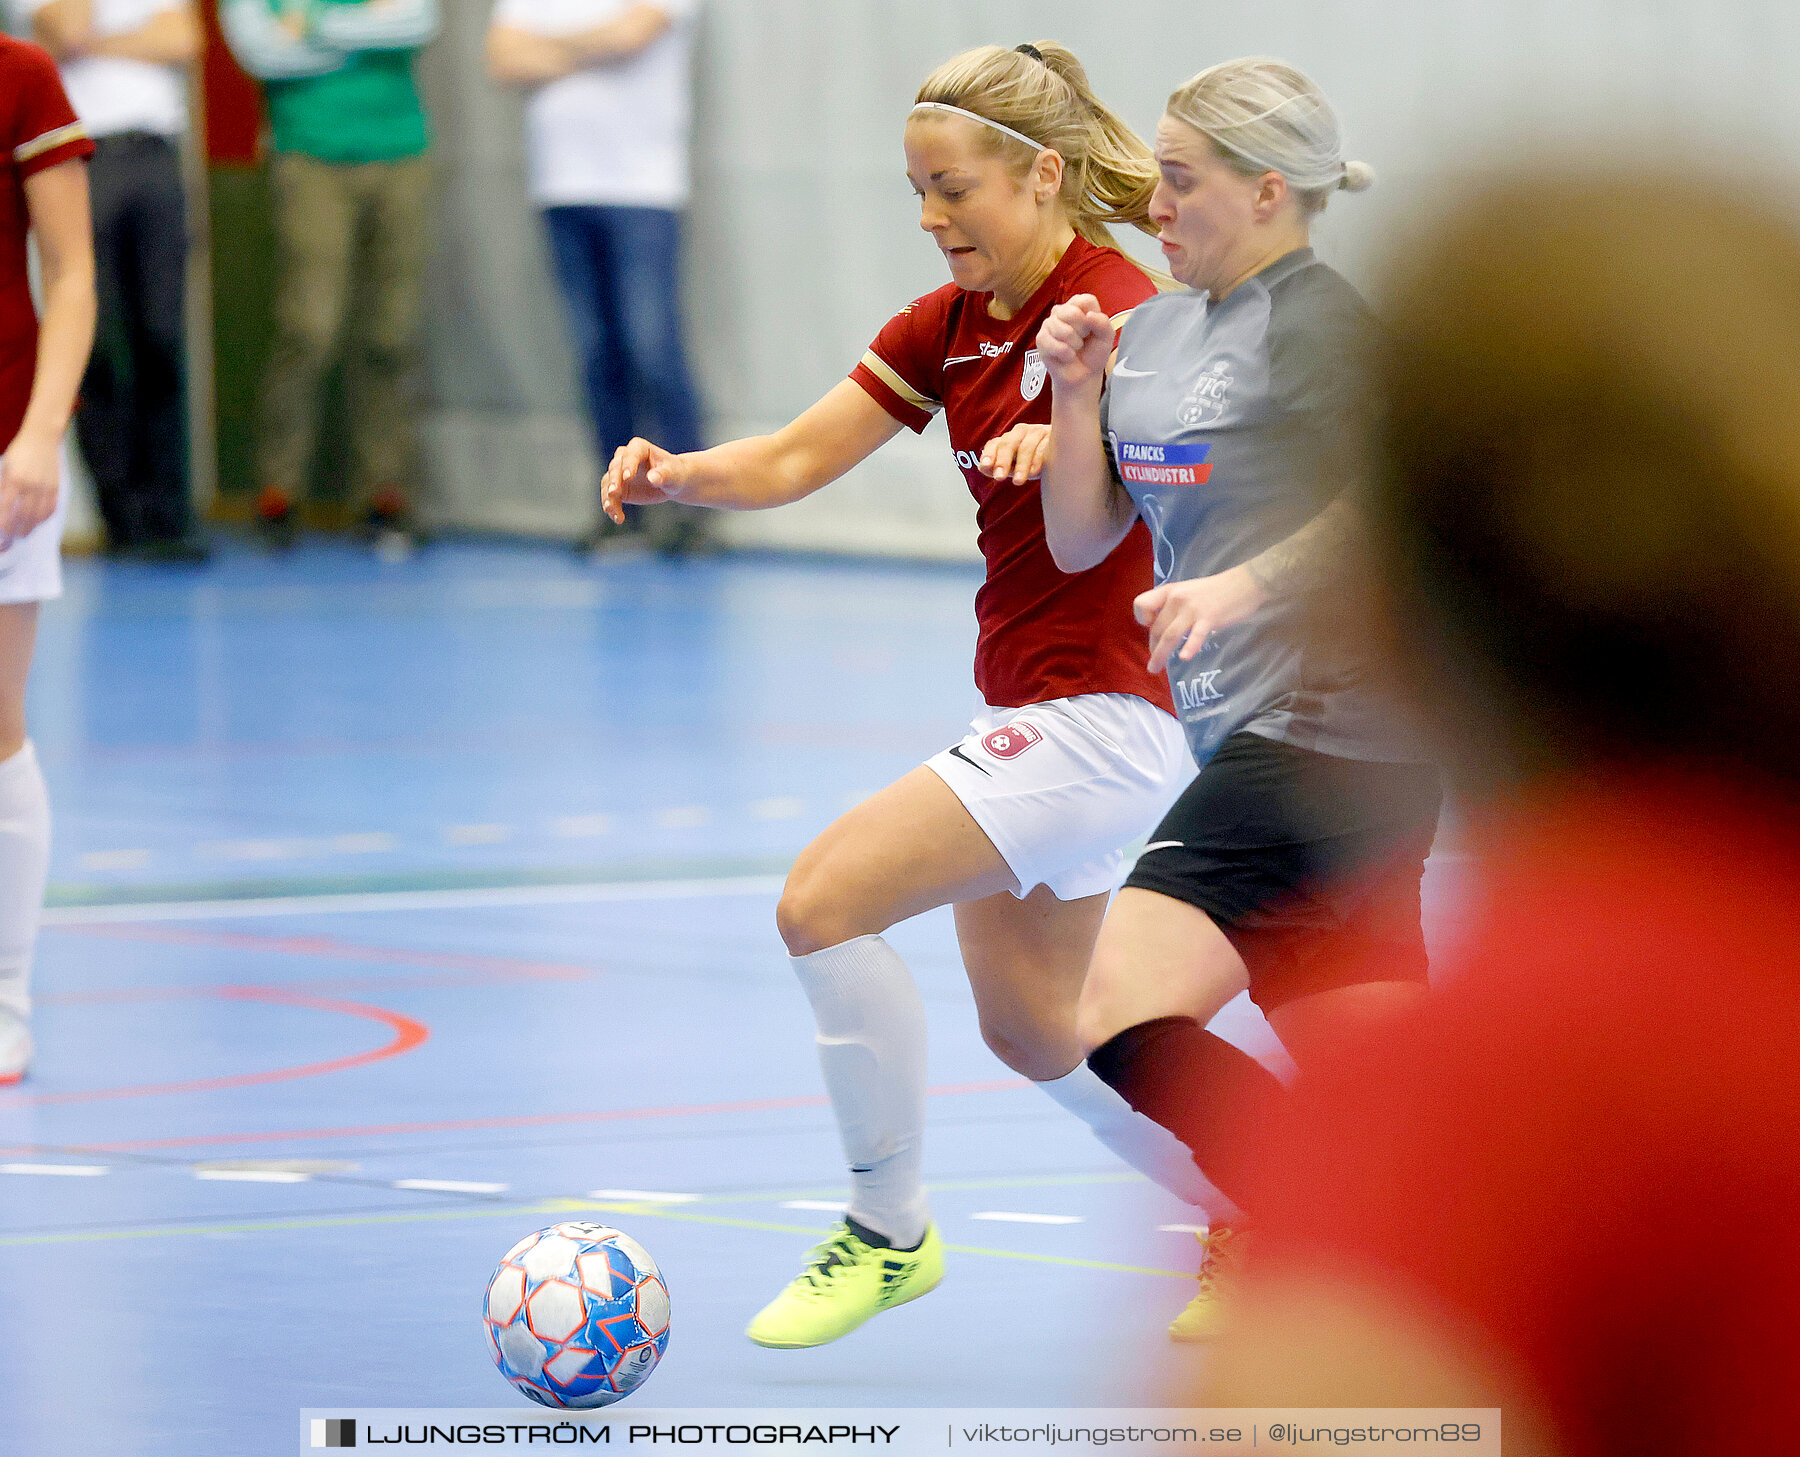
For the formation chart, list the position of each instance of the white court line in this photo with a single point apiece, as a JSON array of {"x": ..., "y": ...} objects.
[
  {"x": 449, "y": 1186},
  {"x": 640, "y": 1196},
  {"x": 828, "y": 1206},
  {"x": 252, "y": 1176},
  {"x": 1181, "y": 1229},
  {"x": 414, "y": 900},
  {"x": 76, "y": 1170},
  {"x": 1000, "y": 1216}
]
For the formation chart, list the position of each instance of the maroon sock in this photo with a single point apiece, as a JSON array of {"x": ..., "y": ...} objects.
[{"x": 1198, "y": 1086}]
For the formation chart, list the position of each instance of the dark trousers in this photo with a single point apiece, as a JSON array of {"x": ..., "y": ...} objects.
[
  {"x": 619, "y": 271},
  {"x": 132, "y": 420}
]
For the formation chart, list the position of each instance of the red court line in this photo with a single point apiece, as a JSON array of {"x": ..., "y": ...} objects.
[
  {"x": 530, "y": 1120},
  {"x": 408, "y": 1034}
]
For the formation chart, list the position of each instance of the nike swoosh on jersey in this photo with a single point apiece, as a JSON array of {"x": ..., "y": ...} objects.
[
  {"x": 1160, "y": 845},
  {"x": 1124, "y": 372},
  {"x": 961, "y": 359}
]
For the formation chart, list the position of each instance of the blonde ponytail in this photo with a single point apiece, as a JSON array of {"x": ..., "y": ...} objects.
[{"x": 1042, "y": 92}]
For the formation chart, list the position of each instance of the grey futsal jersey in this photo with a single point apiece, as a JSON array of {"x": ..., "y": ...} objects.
[{"x": 1232, "y": 424}]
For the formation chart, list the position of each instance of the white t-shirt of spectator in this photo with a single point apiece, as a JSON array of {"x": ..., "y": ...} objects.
[
  {"x": 111, "y": 94},
  {"x": 614, "y": 134}
]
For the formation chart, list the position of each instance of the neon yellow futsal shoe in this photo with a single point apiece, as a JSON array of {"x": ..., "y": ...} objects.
[
  {"x": 1221, "y": 1250},
  {"x": 846, "y": 1280}
]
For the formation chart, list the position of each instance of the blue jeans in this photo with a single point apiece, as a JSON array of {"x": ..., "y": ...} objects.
[{"x": 619, "y": 270}]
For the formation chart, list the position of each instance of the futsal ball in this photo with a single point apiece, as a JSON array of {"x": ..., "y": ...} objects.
[{"x": 577, "y": 1315}]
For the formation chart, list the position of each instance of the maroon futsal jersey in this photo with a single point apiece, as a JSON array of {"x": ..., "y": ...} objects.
[
  {"x": 1044, "y": 633},
  {"x": 38, "y": 129}
]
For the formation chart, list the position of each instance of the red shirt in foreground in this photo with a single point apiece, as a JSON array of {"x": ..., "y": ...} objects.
[
  {"x": 1044, "y": 634},
  {"x": 38, "y": 130},
  {"x": 1588, "y": 1142}
]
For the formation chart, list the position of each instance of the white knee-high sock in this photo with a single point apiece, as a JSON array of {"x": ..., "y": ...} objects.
[
  {"x": 24, "y": 867},
  {"x": 1142, "y": 1142},
  {"x": 872, "y": 1049}
]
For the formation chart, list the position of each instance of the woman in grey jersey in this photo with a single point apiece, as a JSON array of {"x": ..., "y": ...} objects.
[{"x": 1229, "y": 423}]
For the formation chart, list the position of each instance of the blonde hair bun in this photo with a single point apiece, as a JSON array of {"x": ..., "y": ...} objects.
[{"x": 1262, "y": 115}]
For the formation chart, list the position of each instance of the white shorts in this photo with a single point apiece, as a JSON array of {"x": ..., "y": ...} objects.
[
  {"x": 31, "y": 568},
  {"x": 1062, "y": 787}
]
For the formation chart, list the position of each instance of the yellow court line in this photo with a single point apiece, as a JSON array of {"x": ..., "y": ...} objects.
[
  {"x": 950, "y": 1186},
  {"x": 546, "y": 1206}
]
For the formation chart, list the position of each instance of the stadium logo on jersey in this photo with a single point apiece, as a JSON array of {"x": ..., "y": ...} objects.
[
  {"x": 1205, "y": 403},
  {"x": 1146, "y": 464},
  {"x": 1031, "y": 382},
  {"x": 1011, "y": 741}
]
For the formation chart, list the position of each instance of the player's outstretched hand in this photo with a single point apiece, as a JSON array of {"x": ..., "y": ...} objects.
[
  {"x": 1017, "y": 455},
  {"x": 28, "y": 486},
  {"x": 1181, "y": 615},
  {"x": 1075, "y": 342},
  {"x": 641, "y": 474}
]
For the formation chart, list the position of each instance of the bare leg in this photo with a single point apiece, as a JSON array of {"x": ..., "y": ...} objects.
[
  {"x": 900, "y": 853},
  {"x": 1156, "y": 957},
  {"x": 18, "y": 640},
  {"x": 1026, "y": 961},
  {"x": 1309, "y": 1026}
]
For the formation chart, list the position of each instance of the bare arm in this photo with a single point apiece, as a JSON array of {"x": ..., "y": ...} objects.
[
  {"x": 754, "y": 474},
  {"x": 169, "y": 38},
  {"x": 1312, "y": 554},
  {"x": 517, "y": 57},
  {"x": 65, "y": 28},
  {"x": 57, "y": 199},
  {"x": 1086, "y": 512}
]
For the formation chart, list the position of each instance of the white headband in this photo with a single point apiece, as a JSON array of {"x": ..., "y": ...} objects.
[{"x": 985, "y": 121}]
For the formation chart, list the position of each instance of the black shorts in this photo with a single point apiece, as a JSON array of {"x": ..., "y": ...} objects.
[{"x": 1310, "y": 864}]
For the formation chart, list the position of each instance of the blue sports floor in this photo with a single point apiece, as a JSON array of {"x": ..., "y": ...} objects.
[{"x": 399, "y": 909}]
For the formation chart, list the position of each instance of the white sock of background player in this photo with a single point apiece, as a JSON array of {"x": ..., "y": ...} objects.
[
  {"x": 1142, "y": 1142},
  {"x": 24, "y": 867}
]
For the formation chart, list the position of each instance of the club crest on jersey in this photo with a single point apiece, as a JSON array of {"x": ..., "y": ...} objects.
[
  {"x": 1205, "y": 403},
  {"x": 1011, "y": 741},
  {"x": 1031, "y": 381}
]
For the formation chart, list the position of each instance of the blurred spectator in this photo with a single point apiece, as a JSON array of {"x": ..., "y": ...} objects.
[
  {"x": 123, "y": 64},
  {"x": 607, "y": 148},
  {"x": 1570, "y": 1184},
  {"x": 351, "y": 185}
]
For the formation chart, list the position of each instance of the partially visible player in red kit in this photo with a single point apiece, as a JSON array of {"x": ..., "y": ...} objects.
[
  {"x": 1075, "y": 751},
  {"x": 1567, "y": 1184},
  {"x": 43, "y": 193}
]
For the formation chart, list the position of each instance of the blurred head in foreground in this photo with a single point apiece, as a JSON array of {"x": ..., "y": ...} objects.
[
  {"x": 1591, "y": 512},
  {"x": 1570, "y": 1184}
]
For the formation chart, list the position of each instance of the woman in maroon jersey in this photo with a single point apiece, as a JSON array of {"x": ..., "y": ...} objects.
[
  {"x": 43, "y": 193},
  {"x": 1019, "y": 170}
]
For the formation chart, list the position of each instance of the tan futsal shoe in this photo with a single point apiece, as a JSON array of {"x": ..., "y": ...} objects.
[{"x": 1221, "y": 1252}]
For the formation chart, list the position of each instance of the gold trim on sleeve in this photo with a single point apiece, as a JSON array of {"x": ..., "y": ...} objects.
[
  {"x": 50, "y": 141},
  {"x": 882, "y": 371}
]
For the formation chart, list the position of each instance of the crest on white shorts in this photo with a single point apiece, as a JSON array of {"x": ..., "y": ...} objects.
[
  {"x": 1031, "y": 381},
  {"x": 1011, "y": 741}
]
